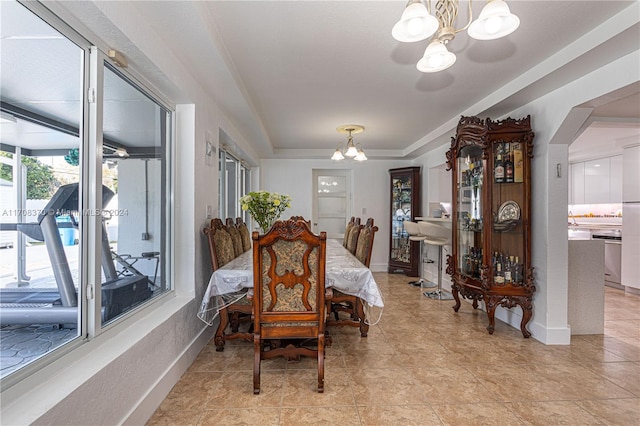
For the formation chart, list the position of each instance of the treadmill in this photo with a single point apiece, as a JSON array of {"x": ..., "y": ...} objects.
[{"x": 24, "y": 305}]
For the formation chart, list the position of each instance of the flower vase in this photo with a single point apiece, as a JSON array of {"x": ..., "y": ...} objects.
[{"x": 263, "y": 228}]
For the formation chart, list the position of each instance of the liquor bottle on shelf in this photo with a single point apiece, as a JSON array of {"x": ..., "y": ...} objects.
[
  {"x": 518, "y": 162},
  {"x": 508, "y": 270},
  {"x": 508, "y": 169},
  {"x": 499, "y": 274},
  {"x": 499, "y": 170},
  {"x": 517, "y": 278}
]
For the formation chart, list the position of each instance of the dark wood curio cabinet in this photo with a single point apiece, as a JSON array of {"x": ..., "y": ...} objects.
[
  {"x": 491, "y": 238},
  {"x": 405, "y": 205}
]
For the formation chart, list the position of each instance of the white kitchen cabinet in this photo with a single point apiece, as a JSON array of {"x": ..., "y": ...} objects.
[
  {"x": 615, "y": 179},
  {"x": 613, "y": 262},
  {"x": 596, "y": 181},
  {"x": 631, "y": 174},
  {"x": 576, "y": 185},
  {"x": 631, "y": 217}
]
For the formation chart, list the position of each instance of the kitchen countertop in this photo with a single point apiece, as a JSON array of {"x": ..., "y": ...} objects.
[
  {"x": 433, "y": 219},
  {"x": 595, "y": 226}
]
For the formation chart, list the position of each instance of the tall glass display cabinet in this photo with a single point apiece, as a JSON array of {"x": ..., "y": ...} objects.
[
  {"x": 491, "y": 246},
  {"x": 405, "y": 205}
]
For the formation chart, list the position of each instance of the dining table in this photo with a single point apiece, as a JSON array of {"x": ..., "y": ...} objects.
[{"x": 234, "y": 281}]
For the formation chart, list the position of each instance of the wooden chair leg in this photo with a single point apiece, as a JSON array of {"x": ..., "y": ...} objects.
[
  {"x": 234, "y": 322},
  {"x": 364, "y": 327},
  {"x": 219, "y": 336},
  {"x": 257, "y": 355},
  {"x": 328, "y": 340},
  {"x": 320, "y": 363}
]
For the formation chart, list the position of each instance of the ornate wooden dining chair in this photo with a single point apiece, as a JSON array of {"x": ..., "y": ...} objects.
[
  {"x": 244, "y": 233},
  {"x": 352, "y": 240},
  {"x": 347, "y": 229},
  {"x": 353, "y": 305},
  {"x": 289, "y": 295},
  {"x": 296, "y": 218},
  {"x": 221, "y": 251},
  {"x": 233, "y": 230},
  {"x": 364, "y": 246},
  {"x": 221, "y": 248}
]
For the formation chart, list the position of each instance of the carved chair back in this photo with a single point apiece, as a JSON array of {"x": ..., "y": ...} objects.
[
  {"x": 221, "y": 248},
  {"x": 244, "y": 233},
  {"x": 236, "y": 237},
  {"x": 347, "y": 229},
  {"x": 364, "y": 247},
  {"x": 289, "y": 264},
  {"x": 297, "y": 218},
  {"x": 352, "y": 239}
]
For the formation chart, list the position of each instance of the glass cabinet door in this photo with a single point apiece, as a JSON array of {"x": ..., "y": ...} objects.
[
  {"x": 470, "y": 221},
  {"x": 508, "y": 201},
  {"x": 491, "y": 250},
  {"x": 401, "y": 187}
]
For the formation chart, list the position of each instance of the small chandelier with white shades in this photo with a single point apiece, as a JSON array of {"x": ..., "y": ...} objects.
[
  {"x": 417, "y": 23},
  {"x": 351, "y": 150}
]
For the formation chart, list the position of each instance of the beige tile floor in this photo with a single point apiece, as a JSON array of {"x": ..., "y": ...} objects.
[{"x": 423, "y": 364}]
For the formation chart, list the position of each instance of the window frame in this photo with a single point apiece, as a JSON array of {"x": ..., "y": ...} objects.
[
  {"x": 241, "y": 181},
  {"x": 90, "y": 326}
]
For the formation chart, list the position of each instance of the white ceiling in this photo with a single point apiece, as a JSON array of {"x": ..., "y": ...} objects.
[
  {"x": 610, "y": 127},
  {"x": 287, "y": 73},
  {"x": 305, "y": 68}
]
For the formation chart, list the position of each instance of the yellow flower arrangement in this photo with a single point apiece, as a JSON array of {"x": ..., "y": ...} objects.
[{"x": 265, "y": 207}]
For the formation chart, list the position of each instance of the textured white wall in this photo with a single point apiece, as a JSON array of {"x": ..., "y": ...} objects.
[{"x": 370, "y": 191}]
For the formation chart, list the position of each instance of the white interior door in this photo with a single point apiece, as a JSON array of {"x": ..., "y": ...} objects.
[{"x": 331, "y": 201}]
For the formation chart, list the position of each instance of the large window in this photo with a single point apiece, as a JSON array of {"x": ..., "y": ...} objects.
[
  {"x": 76, "y": 255},
  {"x": 234, "y": 182},
  {"x": 135, "y": 178}
]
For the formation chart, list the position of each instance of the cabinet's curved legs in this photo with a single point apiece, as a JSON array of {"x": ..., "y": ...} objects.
[
  {"x": 509, "y": 302},
  {"x": 527, "y": 312},
  {"x": 454, "y": 292},
  {"x": 492, "y": 303}
]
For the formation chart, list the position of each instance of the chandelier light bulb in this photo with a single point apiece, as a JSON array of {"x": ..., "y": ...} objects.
[
  {"x": 436, "y": 58},
  {"x": 436, "y": 61},
  {"x": 360, "y": 156},
  {"x": 495, "y": 21},
  {"x": 415, "y": 24},
  {"x": 351, "y": 152},
  {"x": 493, "y": 25},
  {"x": 337, "y": 155}
]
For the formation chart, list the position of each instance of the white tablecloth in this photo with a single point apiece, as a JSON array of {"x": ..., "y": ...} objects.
[{"x": 343, "y": 272}]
